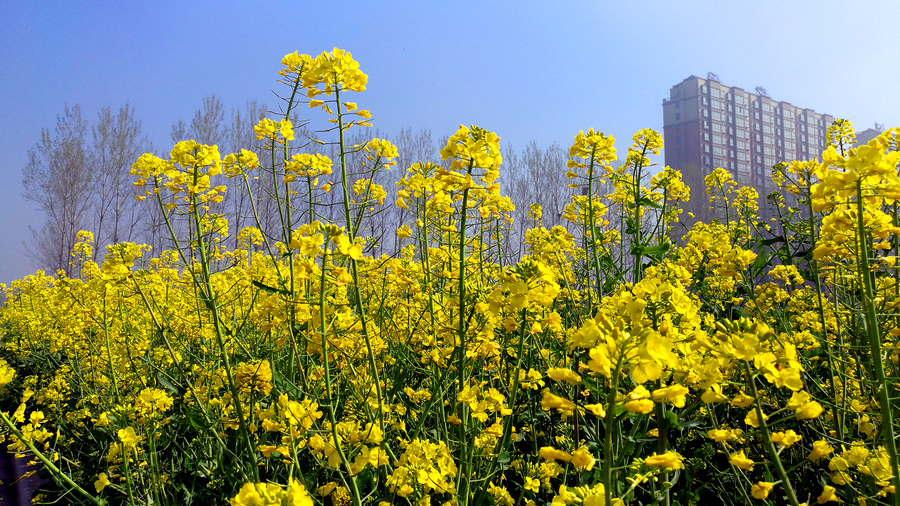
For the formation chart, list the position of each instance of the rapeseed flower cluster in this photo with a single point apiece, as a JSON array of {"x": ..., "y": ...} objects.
[{"x": 614, "y": 362}]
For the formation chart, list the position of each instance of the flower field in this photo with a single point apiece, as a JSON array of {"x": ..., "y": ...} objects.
[{"x": 623, "y": 359}]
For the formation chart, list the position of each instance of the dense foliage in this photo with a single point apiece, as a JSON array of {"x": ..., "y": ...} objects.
[{"x": 615, "y": 362}]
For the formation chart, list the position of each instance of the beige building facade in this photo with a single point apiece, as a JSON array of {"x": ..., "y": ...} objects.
[{"x": 707, "y": 124}]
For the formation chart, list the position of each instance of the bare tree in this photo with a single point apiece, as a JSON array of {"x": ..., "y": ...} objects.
[
  {"x": 412, "y": 147},
  {"x": 207, "y": 126},
  {"x": 59, "y": 180},
  {"x": 117, "y": 144},
  {"x": 240, "y": 135},
  {"x": 534, "y": 176}
]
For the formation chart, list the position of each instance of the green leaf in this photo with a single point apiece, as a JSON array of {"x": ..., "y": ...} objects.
[
  {"x": 646, "y": 202},
  {"x": 769, "y": 242},
  {"x": 689, "y": 424},
  {"x": 269, "y": 289},
  {"x": 672, "y": 420},
  {"x": 658, "y": 250},
  {"x": 161, "y": 378}
]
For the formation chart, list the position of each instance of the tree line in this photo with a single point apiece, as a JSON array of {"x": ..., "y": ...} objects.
[{"x": 79, "y": 176}]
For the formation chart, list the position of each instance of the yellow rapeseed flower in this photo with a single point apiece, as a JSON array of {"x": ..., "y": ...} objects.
[
  {"x": 740, "y": 460},
  {"x": 761, "y": 489},
  {"x": 671, "y": 460}
]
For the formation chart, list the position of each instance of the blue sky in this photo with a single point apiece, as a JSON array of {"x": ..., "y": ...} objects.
[{"x": 527, "y": 70}]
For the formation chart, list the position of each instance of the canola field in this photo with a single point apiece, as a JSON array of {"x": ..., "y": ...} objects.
[{"x": 621, "y": 360}]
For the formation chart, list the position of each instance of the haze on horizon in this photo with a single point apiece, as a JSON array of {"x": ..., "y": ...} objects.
[{"x": 539, "y": 71}]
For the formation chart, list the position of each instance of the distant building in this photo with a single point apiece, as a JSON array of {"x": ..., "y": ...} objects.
[
  {"x": 707, "y": 124},
  {"x": 868, "y": 134}
]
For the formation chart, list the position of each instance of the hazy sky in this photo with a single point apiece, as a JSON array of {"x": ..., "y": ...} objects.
[{"x": 526, "y": 70}]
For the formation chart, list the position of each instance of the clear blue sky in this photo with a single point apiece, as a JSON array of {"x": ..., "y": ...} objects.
[{"x": 528, "y": 70}]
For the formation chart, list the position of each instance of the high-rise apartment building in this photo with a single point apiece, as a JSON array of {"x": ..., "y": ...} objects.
[{"x": 708, "y": 125}]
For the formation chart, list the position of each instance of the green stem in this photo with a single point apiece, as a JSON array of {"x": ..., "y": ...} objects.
[
  {"x": 465, "y": 475},
  {"x": 767, "y": 441},
  {"x": 354, "y": 269},
  {"x": 207, "y": 295},
  {"x": 55, "y": 471},
  {"x": 874, "y": 338},
  {"x": 332, "y": 416},
  {"x": 662, "y": 427},
  {"x": 610, "y": 419}
]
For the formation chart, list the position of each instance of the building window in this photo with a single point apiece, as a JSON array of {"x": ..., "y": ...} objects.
[
  {"x": 678, "y": 105},
  {"x": 678, "y": 151},
  {"x": 677, "y": 116},
  {"x": 705, "y": 113},
  {"x": 678, "y": 140},
  {"x": 706, "y": 148},
  {"x": 706, "y": 125},
  {"x": 706, "y": 136}
]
